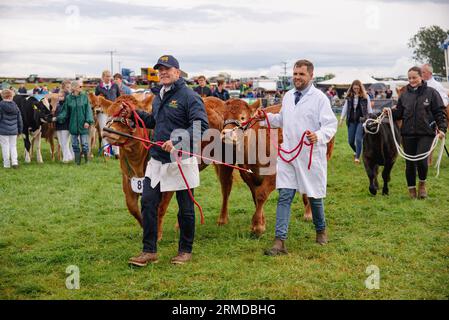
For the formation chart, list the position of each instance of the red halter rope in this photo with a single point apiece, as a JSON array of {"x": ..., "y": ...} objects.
[{"x": 280, "y": 150}]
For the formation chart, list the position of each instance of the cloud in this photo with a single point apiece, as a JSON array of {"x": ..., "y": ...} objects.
[{"x": 62, "y": 38}]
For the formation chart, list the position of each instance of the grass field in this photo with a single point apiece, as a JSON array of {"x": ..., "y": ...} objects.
[{"x": 54, "y": 215}]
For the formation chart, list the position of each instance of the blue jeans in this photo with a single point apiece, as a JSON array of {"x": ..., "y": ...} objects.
[
  {"x": 355, "y": 137},
  {"x": 84, "y": 143},
  {"x": 283, "y": 213}
]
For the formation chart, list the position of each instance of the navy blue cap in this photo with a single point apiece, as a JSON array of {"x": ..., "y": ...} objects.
[{"x": 167, "y": 61}]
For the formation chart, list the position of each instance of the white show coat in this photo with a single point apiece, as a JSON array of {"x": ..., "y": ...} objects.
[
  {"x": 314, "y": 113},
  {"x": 169, "y": 176},
  {"x": 441, "y": 90}
]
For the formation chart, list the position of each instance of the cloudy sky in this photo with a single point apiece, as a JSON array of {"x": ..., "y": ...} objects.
[{"x": 244, "y": 38}]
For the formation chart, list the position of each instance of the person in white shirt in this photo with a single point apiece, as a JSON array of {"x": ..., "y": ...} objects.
[
  {"x": 427, "y": 75},
  {"x": 304, "y": 108}
]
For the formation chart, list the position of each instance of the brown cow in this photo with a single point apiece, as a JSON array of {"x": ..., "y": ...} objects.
[
  {"x": 134, "y": 157},
  {"x": 261, "y": 186}
]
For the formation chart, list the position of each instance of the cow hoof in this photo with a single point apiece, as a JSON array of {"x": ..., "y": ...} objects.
[
  {"x": 307, "y": 217},
  {"x": 258, "y": 231},
  {"x": 222, "y": 222},
  {"x": 385, "y": 192},
  {"x": 373, "y": 190}
]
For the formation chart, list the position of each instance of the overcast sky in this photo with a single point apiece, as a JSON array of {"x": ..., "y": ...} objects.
[{"x": 244, "y": 38}]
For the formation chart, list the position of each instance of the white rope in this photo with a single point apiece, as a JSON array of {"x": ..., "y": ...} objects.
[{"x": 401, "y": 152}]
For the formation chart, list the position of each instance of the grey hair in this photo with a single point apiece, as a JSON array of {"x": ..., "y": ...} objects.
[
  {"x": 75, "y": 83},
  {"x": 427, "y": 66}
]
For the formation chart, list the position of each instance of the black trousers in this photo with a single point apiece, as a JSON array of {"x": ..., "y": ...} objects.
[
  {"x": 413, "y": 146},
  {"x": 151, "y": 197}
]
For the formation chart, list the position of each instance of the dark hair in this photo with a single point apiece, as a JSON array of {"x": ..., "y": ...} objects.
[
  {"x": 220, "y": 82},
  {"x": 307, "y": 63},
  {"x": 202, "y": 77},
  {"x": 118, "y": 76},
  {"x": 417, "y": 69}
]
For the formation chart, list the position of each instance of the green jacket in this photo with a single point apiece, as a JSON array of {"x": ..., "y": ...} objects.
[{"x": 78, "y": 110}]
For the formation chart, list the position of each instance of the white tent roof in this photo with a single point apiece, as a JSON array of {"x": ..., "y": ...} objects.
[{"x": 345, "y": 79}]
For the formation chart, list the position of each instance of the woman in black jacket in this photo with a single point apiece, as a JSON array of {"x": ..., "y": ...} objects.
[{"x": 423, "y": 116}]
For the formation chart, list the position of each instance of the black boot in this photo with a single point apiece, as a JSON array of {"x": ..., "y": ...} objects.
[{"x": 77, "y": 158}]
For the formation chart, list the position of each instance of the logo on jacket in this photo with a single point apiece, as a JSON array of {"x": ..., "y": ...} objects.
[
  {"x": 173, "y": 104},
  {"x": 426, "y": 102}
]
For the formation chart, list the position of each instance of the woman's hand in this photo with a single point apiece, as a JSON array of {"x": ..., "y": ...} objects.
[{"x": 86, "y": 125}]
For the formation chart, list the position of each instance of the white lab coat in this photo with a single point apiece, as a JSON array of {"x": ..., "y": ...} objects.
[
  {"x": 441, "y": 90},
  {"x": 313, "y": 112}
]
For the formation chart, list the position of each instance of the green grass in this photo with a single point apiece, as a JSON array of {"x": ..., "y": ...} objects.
[{"x": 54, "y": 215}]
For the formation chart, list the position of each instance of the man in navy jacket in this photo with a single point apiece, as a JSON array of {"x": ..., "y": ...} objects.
[{"x": 174, "y": 107}]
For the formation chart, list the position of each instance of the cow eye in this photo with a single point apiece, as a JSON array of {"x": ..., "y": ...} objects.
[{"x": 242, "y": 118}]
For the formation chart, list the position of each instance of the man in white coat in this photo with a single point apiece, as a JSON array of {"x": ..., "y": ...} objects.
[
  {"x": 304, "y": 108},
  {"x": 427, "y": 75}
]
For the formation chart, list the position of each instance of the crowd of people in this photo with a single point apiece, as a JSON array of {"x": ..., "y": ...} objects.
[{"x": 421, "y": 107}]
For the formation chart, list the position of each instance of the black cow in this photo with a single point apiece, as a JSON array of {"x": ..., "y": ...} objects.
[
  {"x": 379, "y": 150},
  {"x": 34, "y": 113}
]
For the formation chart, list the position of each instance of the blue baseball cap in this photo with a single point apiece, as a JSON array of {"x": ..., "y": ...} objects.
[{"x": 167, "y": 61}]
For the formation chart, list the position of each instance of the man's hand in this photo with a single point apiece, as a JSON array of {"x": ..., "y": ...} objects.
[
  {"x": 385, "y": 111},
  {"x": 126, "y": 111},
  {"x": 86, "y": 125},
  {"x": 53, "y": 119},
  {"x": 441, "y": 135},
  {"x": 168, "y": 146},
  {"x": 259, "y": 114},
  {"x": 313, "y": 138}
]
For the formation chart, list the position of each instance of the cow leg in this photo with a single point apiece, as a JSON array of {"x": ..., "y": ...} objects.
[
  {"x": 260, "y": 196},
  {"x": 161, "y": 211},
  {"x": 26, "y": 141},
  {"x": 225, "y": 176},
  {"x": 307, "y": 208},
  {"x": 52, "y": 148},
  {"x": 132, "y": 200},
  {"x": 36, "y": 142},
  {"x": 372, "y": 170},
  {"x": 386, "y": 177}
]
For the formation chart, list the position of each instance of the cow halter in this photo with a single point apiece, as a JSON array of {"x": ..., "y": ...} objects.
[{"x": 127, "y": 122}]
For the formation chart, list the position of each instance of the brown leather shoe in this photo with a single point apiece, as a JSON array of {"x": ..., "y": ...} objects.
[
  {"x": 321, "y": 237},
  {"x": 277, "y": 249},
  {"x": 143, "y": 259},
  {"x": 422, "y": 193},
  {"x": 412, "y": 192},
  {"x": 181, "y": 258}
]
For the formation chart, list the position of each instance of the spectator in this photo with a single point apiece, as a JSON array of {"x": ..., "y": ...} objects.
[
  {"x": 107, "y": 88},
  {"x": 357, "y": 105},
  {"x": 77, "y": 109},
  {"x": 110, "y": 91},
  {"x": 118, "y": 79},
  {"x": 22, "y": 89},
  {"x": 10, "y": 126},
  {"x": 35, "y": 90},
  {"x": 250, "y": 94},
  {"x": 427, "y": 75},
  {"x": 62, "y": 129},
  {"x": 44, "y": 90},
  {"x": 221, "y": 92},
  {"x": 202, "y": 89},
  {"x": 388, "y": 94}
]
